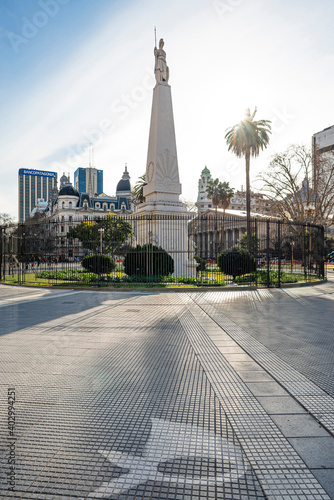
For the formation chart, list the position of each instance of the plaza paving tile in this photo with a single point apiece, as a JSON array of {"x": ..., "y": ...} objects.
[{"x": 158, "y": 395}]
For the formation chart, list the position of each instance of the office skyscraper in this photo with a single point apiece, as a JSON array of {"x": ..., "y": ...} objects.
[
  {"x": 322, "y": 156},
  {"x": 33, "y": 185},
  {"x": 88, "y": 180}
]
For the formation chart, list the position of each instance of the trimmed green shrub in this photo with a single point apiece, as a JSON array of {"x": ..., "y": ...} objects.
[
  {"x": 148, "y": 260},
  {"x": 98, "y": 264},
  {"x": 274, "y": 277},
  {"x": 65, "y": 275},
  {"x": 236, "y": 262}
]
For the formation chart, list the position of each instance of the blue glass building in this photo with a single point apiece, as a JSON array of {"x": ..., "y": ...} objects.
[{"x": 88, "y": 180}]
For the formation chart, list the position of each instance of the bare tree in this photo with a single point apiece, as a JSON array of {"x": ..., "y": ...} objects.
[
  {"x": 296, "y": 193},
  {"x": 5, "y": 219},
  {"x": 191, "y": 206}
]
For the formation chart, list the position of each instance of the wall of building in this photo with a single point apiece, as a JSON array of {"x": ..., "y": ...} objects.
[
  {"x": 324, "y": 140},
  {"x": 88, "y": 180},
  {"x": 33, "y": 185}
]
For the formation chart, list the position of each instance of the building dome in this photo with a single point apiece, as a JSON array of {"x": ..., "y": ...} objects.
[
  {"x": 124, "y": 184},
  {"x": 205, "y": 171},
  {"x": 64, "y": 180},
  {"x": 68, "y": 191}
]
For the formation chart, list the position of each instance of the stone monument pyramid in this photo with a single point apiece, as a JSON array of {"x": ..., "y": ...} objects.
[
  {"x": 162, "y": 171},
  {"x": 162, "y": 190}
]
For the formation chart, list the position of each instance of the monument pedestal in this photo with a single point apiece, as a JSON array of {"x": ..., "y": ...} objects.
[{"x": 169, "y": 231}]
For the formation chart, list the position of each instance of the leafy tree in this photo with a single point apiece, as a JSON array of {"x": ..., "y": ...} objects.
[
  {"x": 247, "y": 138},
  {"x": 148, "y": 260},
  {"x": 5, "y": 219},
  {"x": 226, "y": 195},
  {"x": 36, "y": 235},
  {"x": 116, "y": 232},
  {"x": 139, "y": 189},
  {"x": 213, "y": 190},
  {"x": 201, "y": 264},
  {"x": 98, "y": 264},
  {"x": 290, "y": 183},
  {"x": 236, "y": 262},
  {"x": 243, "y": 242},
  {"x": 221, "y": 195}
]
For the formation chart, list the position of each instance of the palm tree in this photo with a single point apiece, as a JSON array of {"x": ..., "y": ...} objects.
[
  {"x": 213, "y": 190},
  {"x": 226, "y": 195},
  {"x": 221, "y": 194},
  {"x": 138, "y": 189},
  {"x": 246, "y": 139}
]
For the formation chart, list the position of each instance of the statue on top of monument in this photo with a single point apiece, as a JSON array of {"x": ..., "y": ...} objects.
[{"x": 161, "y": 69}]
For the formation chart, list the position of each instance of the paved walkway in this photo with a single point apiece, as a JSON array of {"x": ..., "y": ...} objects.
[{"x": 187, "y": 395}]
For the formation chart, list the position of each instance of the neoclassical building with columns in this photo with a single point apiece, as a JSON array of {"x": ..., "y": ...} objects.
[
  {"x": 213, "y": 232},
  {"x": 216, "y": 230}
]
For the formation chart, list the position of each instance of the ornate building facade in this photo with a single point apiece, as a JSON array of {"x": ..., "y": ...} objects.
[
  {"x": 71, "y": 207},
  {"x": 203, "y": 202}
]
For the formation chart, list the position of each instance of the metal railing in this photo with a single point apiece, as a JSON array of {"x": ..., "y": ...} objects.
[{"x": 162, "y": 251}]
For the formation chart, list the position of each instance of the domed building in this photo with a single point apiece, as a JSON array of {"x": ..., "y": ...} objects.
[
  {"x": 124, "y": 186},
  {"x": 71, "y": 207},
  {"x": 122, "y": 202},
  {"x": 83, "y": 205}
]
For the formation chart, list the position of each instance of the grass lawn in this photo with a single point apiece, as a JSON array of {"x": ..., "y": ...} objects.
[{"x": 206, "y": 278}]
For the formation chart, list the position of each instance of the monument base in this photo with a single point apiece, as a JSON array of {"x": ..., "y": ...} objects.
[{"x": 168, "y": 230}]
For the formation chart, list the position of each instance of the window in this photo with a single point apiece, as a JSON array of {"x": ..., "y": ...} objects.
[
  {"x": 63, "y": 205},
  {"x": 70, "y": 205},
  {"x": 70, "y": 218}
]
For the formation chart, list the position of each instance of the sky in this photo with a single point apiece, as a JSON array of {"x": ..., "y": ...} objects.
[{"x": 75, "y": 72}]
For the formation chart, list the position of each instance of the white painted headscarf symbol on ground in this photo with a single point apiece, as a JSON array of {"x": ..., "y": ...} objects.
[{"x": 170, "y": 441}]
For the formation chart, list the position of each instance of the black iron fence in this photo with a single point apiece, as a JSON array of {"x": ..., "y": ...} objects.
[{"x": 161, "y": 250}]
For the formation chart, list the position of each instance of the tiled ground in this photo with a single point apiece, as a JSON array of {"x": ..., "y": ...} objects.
[{"x": 135, "y": 395}]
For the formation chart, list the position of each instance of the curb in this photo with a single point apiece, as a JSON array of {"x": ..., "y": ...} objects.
[{"x": 227, "y": 288}]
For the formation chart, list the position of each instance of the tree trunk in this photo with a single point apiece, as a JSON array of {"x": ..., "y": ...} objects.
[{"x": 248, "y": 203}]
